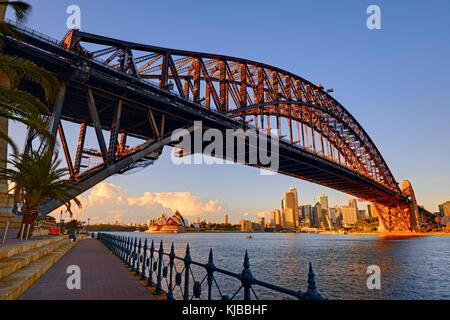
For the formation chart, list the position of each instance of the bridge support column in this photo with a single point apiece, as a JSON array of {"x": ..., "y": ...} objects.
[{"x": 401, "y": 216}]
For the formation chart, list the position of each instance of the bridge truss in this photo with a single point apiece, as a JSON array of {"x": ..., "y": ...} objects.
[{"x": 147, "y": 92}]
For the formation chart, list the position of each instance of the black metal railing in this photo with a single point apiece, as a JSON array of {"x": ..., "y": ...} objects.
[{"x": 172, "y": 275}]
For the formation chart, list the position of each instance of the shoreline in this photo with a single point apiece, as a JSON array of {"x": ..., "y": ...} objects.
[{"x": 384, "y": 234}]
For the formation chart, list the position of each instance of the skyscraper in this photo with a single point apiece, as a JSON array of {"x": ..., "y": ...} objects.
[
  {"x": 278, "y": 220},
  {"x": 316, "y": 215},
  {"x": 444, "y": 209},
  {"x": 306, "y": 214},
  {"x": 225, "y": 218},
  {"x": 261, "y": 221},
  {"x": 296, "y": 214},
  {"x": 289, "y": 209},
  {"x": 323, "y": 200},
  {"x": 349, "y": 215},
  {"x": 369, "y": 210}
]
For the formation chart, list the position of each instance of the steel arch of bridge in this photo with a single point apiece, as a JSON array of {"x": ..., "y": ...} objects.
[
  {"x": 249, "y": 89},
  {"x": 147, "y": 92}
]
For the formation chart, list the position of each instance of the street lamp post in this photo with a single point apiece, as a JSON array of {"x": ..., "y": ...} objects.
[
  {"x": 60, "y": 221},
  {"x": 87, "y": 227}
]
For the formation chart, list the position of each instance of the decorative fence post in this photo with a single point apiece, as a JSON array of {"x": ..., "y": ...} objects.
[
  {"x": 160, "y": 261},
  {"x": 138, "y": 257},
  {"x": 129, "y": 251},
  {"x": 187, "y": 263},
  {"x": 246, "y": 277},
  {"x": 144, "y": 256},
  {"x": 210, "y": 267},
  {"x": 171, "y": 264},
  {"x": 133, "y": 263},
  {"x": 150, "y": 268}
]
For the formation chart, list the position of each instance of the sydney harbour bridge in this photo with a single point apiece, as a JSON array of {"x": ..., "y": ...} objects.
[{"x": 129, "y": 90}]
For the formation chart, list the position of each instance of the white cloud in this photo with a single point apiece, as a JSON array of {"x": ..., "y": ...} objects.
[
  {"x": 107, "y": 202},
  {"x": 187, "y": 203}
]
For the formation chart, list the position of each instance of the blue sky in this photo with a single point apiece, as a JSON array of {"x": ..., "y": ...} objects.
[{"x": 395, "y": 81}]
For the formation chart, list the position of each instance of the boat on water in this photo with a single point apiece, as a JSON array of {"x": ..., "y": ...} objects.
[{"x": 249, "y": 236}]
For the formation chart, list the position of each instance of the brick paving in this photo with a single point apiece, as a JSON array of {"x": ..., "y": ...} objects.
[{"x": 103, "y": 277}]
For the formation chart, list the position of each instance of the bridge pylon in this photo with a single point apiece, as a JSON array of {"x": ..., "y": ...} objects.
[{"x": 400, "y": 216}]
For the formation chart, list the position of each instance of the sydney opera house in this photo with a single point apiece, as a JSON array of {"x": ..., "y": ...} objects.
[{"x": 164, "y": 224}]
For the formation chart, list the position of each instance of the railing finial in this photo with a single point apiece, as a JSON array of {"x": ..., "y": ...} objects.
[
  {"x": 210, "y": 257},
  {"x": 188, "y": 250},
  {"x": 246, "y": 261},
  {"x": 312, "y": 293}
]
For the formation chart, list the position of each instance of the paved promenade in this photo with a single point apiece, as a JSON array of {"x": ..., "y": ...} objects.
[{"x": 103, "y": 277}]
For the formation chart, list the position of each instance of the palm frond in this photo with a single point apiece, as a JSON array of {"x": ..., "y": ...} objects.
[
  {"x": 21, "y": 9},
  {"x": 28, "y": 70},
  {"x": 4, "y": 136},
  {"x": 38, "y": 176}
]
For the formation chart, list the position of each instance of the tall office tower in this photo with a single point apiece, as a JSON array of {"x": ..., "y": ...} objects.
[
  {"x": 261, "y": 222},
  {"x": 272, "y": 218},
  {"x": 349, "y": 215},
  {"x": 225, "y": 218},
  {"x": 294, "y": 190},
  {"x": 323, "y": 200},
  {"x": 333, "y": 213},
  {"x": 197, "y": 220},
  {"x": 444, "y": 209},
  {"x": 277, "y": 215},
  {"x": 306, "y": 214},
  {"x": 353, "y": 203},
  {"x": 369, "y": 210},
  {"x": 289, "y": 210},
  {"x": 316, "y": 215}
]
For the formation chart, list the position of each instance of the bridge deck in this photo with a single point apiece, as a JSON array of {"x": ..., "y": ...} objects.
[{"x": 103, "y": 277}]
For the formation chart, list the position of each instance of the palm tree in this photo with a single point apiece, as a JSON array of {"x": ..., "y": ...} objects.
[
  {"x": 16, "y": 104},
  {"x": 36, "y": 177}
]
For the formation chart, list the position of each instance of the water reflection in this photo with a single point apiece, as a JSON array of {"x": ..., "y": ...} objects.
[{"x": 411, "y": 267}]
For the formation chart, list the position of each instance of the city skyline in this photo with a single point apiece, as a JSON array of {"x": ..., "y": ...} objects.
[{"x": 379, "y": 66}]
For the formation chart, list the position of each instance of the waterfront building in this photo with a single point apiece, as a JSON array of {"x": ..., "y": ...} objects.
[
  {"x": 349, "y": 215},
  {"x": 197, "y": 220},
  {"x": 272, "y": 218},
  {"x": 261, "y": 221},
  {"x": 296, "y": 212},
  {"x": 289, "y": 209},
  {"x": 339, "y": 218},
  {"x": 306, "y": 215},
  {"x": 246, "y": 225},
  {"x": 276, "y": 214},
  {"x": 316, "y": 213},
  {"x": 369, "y": 211},
  {"x": 256, "y": 226},
  {"x": 333, "y": 212},
  {"x": 353, "y": 203},
  {"x": 225, "y": 218},
  {"x": 323, "y": 200},
  {"x": 361, "y": 214},
  {"x": 163, "y": 224},
  {"x": 444, "y": 209}
]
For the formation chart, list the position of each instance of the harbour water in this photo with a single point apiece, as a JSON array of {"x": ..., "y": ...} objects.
[{"x": 411, "y": 267}]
